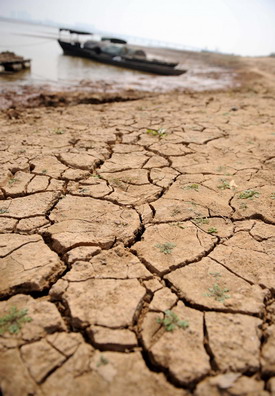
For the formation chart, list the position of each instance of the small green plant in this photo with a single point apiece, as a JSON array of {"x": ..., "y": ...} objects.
[
  {"x": 59, "y": 131},
  {"x": 249, "y": 194},
  {"x": 212, "y": 230},
  {"x": 272, "y": 195},
  {"x": 3, "y": 210},
  {"x": 166, "y": 247},
  {"x": 44, "y": 171},
  {"x": 96, "y": 176},
  {"x": 161, "y": 132},
  {"x": 194, "y": 204},
  {"x": 215, "y": 274},
  {"x": 171, "y": 321},
  {"x": 102, "y": 361},
  {"x": 13, "y": 180},
  {"x": 201, "y": 220},
  {"x": 179, "y": 225},
  {"x": 221, "y": 169},
  {"x": 193, "y": 186},
  {"x": 82, "y": 190},
  {"x": 13, "y": 321},
  {"x": 243, "y": 206},
  {"x": 175, "y": 212},
  {"x": 224, "y": 185},
  {"x": 218, "y": 293}
]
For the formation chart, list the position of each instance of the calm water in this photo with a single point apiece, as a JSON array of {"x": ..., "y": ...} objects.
[{"x": 49, "y": 66}]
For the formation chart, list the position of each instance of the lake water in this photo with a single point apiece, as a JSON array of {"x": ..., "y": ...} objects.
[{"x": 49, "y": 66}]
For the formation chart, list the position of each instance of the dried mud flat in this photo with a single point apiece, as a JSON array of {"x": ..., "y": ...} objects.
[{"x": 137, "y": 246}]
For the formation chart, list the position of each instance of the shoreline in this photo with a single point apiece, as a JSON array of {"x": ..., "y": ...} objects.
[{"x": 205, "y": 72}]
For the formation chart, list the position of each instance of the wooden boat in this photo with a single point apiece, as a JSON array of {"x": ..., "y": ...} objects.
[
  {"x": 10, "y": 62},
  {"x": 114, "y": 51}
]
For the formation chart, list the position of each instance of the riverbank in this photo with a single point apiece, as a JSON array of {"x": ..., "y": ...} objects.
[
  {"x": 205, "y": 71},
  {"x": 137, "y": 242}
]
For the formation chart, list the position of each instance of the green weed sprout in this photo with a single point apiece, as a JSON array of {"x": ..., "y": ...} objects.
[
  {"x": 13, "y": 321},
  {"x": 249, "y": 194},
  {"x": 102, "y": 361},
  {"x": 218, "y": 293},
  {"x": 161, "y": 132},
  {"x": 171, "y": 321},
  {"x": 166, "y": 247},
  {"x": 224, "y": 185},
  {"x": 212, "y": 230}
]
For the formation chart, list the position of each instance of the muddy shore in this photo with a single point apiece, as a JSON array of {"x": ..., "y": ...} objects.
[{"x": 137, "y": 240}]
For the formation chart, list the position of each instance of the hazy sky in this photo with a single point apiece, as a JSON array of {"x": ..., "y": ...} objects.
[{"x": 245, "y": 27}]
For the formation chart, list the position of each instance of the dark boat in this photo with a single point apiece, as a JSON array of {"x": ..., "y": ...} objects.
[{"x": 116, "y": 52}]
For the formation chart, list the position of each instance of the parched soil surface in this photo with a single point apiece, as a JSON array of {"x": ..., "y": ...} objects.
[{"x": 138, "y": 237}]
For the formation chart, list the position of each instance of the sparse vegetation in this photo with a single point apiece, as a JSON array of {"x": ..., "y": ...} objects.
[
  {"x": 13, "y": 180},
  {"x": 102, "y": 361},
  {"x": 12, "y": 322},
  {"x": 221, "y": 168},
  {"x": 171, "y": 321},
  {"x": 194, "y": 204},
  {"x": 215, "y": 274},
  {"x": 3, "y": 210},
  {"x": 212, "y": 230},
  {"x": 161, "y": 132},
  {"x": 224, "y": 185},
  {"x": 166, "y": 247},
  {"x": 273, "y": 195},
  {"x": 193, "y": 186},
  {"x": 180, "y": 226},
  {"x": 59, "y": 131},
  {"x": 175, "y": 212},
  {"x": 249, "y": 194},
  {"x": 44, "y": 171},
  {"x": 201, "y": 220},
  {"x": 243, "y": 206},
  {"x": 218, "y": 293}
]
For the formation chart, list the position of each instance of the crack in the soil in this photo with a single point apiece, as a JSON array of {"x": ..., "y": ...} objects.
[
  {"x": 61, "y": 304},
  {"x": 213, "y": 364},
  {"x": 203, "y": 308}
]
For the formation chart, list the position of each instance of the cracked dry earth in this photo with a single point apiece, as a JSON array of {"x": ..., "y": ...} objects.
[{"x": 105, "y": 226}]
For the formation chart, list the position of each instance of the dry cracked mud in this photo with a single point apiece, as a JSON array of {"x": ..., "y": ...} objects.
[{"x": 137, "y": 246}]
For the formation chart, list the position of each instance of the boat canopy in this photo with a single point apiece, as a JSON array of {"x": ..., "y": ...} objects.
[
  {"x": 114, "y": 40},
  {"x": 73, "y": 31},
  {"x": 114, "y": 50}
]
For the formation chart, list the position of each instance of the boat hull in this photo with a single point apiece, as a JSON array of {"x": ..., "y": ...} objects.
[{"x": 77, "y": 50}]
